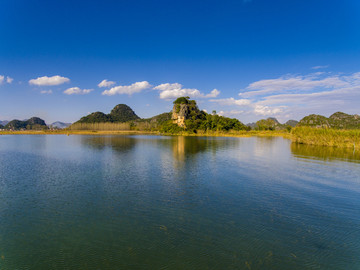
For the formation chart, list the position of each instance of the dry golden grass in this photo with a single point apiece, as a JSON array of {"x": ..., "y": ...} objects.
[
  {"x": 135, "y": 131},
  {"x": 327, "y": 137}
]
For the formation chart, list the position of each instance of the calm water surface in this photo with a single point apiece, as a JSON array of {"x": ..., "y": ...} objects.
[{"x": 147, "y": 202}]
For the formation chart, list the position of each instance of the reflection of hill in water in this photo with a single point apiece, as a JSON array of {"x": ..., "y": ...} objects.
[
  {"x": 117, "y": 143},
  {"x": 183, "y": 146},
  {"x": 180, "y": 146},
  {"x": 324, "y": 152}
]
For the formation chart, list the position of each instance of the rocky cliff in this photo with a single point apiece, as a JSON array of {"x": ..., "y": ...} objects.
[{"x": 184, "y": 109}]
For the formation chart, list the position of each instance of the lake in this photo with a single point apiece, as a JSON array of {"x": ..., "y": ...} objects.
[{"x": 153, "y": 202}]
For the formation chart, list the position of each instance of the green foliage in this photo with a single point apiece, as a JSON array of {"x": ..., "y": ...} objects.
[
  {"x": 272, "y": 123},
  {"x": 208, "y": 122},
  {"x": 338, "y": 120},
  {"x": 265, "y": 124},
  {"x": 314, "y": 120},
  {"x": 119, "y": 114},
  {"x": 183, "y": 100},
  {"x": 291, "y": 123},
  {"x": 169, "y": 127},
  {"x": 161, "y": 118},
  {"x": 177, "y": 108},
  {"x": 1, "y": 126},
  {"x": 96, "y": 117}
]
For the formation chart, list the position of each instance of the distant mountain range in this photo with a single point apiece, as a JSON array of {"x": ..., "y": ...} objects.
[
  {"x": 59, "y": 125},
  {"x": 272, "y": 123},
  {"x": 34, "y": 123}
]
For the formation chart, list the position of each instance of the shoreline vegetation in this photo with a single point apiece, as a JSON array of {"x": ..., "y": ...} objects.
[
  {"x": 299, "y": 135},
  {"x": 186, "y": 119}
]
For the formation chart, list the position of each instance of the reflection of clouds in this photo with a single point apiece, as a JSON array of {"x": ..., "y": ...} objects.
[
  {"x": 324, "y": 152},
  {"x": 270, "y": 147}
]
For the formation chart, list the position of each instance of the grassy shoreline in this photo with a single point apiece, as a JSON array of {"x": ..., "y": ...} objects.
[
  {"x": 341, "y": 138},
  {"x": 300, "y": 135},
  {"x": 251, "y": 133}
]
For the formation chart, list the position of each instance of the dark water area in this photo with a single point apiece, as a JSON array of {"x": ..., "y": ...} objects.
[{"x": 151, "y": 202}]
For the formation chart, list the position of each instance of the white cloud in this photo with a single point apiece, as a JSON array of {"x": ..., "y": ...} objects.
[
  {"x": 127, "y": 89},
  {"x": 231, "y": 101},
  {"x": 77, "y": 91},
  {"x": 214, "y": 93},
  {"x": 9, "y": 79},
  {"x": 46, "y": 81},
  {"x": 47, "y": 92},
  {"x": 348, "y": 93},
  {"x": 320, "y": 67},
  {"x": 266, "y": 110},
  {"x": 106, "y": 83},
  {"x": 230, "y": 113},
  {"x": 175, "y": 90},
  {"x": 281, "y": 84},
  {"x": 2, "y": 79}
]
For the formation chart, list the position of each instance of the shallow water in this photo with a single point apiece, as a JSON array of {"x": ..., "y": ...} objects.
[{"x": 149, "y": 202}]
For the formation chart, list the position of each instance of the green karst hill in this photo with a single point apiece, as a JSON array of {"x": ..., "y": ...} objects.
[
  {"x": 119, "y": 114},
  {"x": 34, "y": 123},
  {"x": 185, "y": 117},
  {"x": 338, "y": 120},
  {"x": 272, "y": 123},
  {"x": 122, "y": 113}
]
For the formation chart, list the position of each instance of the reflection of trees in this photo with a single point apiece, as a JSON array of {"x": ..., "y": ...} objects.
[
  {"x": 181, "y": 146},
  {"x": 184, "y": 147},
  {"x": 324, "y": 152},
  {"x": 117, "y": 143}
]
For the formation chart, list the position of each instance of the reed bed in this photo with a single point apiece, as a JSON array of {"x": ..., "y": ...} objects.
[
  {"x": 327, "y": 137},
  {"x": 100, "y": 126}
]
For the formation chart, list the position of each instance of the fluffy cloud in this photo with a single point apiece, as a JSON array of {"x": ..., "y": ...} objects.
[
  {"x": 127, "y": 89},
  {"x": 77, "y": 91},
  {"x": 9, "y": 79},
  {"x": 46, "y": 81},
  {"x": 231, "y": 102},
  {"x": 175, "y": 90},
  {"x": 47, "y": 92},
  {"x": 266, "y": 110},
  {"x": 106, "y": 83}
]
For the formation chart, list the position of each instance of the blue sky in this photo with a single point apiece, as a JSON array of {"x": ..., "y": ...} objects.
[{"x": 245, "y": 59}]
